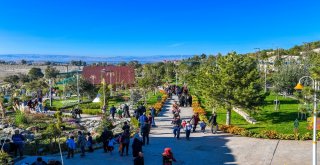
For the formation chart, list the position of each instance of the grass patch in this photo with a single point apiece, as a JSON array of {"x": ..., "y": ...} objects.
[{"x": 280, "y": 121}]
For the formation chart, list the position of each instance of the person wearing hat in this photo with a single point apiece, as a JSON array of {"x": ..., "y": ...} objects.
[{"x": 167, "y": 157}]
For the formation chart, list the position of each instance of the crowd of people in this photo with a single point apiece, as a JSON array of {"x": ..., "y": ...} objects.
[
  {"x": 188, "y": 125},
  {"x": 84, "y": 141}
]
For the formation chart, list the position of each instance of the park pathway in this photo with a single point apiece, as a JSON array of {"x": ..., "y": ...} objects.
[{"x": 202, "y": 149}]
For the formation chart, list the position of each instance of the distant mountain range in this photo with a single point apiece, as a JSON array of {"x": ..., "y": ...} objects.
[{"x": 88, "y": 59}]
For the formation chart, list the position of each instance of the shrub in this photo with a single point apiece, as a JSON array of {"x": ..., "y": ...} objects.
[
  {"x": 91, "y": 111},
  {"x": 236, "y": 130},
  {"x": 20, "y": 118},
  {"x": 5, "y": 158},
  {"x": 90, "y": 106},
  {"x": 306, "y": 136},
  {"x": 269, "y": 134},
  {"x": 246, "y": 133},
  {"x": 287, "y": 136},
  {"x": 134, "y": 122}
]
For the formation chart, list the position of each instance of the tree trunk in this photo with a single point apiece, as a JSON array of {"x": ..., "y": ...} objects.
[{"x": 228, "y": 120}]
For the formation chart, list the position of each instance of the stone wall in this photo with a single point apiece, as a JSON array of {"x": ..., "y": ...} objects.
[{"x": 247, "y": 117}]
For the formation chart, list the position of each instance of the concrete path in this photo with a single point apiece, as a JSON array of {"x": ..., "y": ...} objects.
[{"x": 203, "y": 149}]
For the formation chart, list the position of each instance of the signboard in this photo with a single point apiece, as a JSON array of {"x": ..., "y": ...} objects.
[{"x": 310, "y": 123}]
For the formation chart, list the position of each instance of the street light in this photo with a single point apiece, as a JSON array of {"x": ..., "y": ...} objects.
[
  {"x": 265, "y": 68},
  {"x": 299, "y": 86},
  {"x": 50, "y": 92},
  {"x": 110, "y": 73},
  {"x": 104, "y": 88},
  {"x": 78, "y": 86}
]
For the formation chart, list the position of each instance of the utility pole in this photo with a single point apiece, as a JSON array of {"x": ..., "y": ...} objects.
[
  {"x": 78, "y": 86},
  {"x": 50, "y": 92},
  {"x": 265, "y": 68}
]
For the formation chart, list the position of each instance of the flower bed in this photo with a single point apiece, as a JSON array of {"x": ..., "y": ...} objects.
[
  {"x": 265, "y": 134},
  {"x": 196, "y": 107}
]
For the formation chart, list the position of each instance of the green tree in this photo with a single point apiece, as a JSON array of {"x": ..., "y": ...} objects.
[
  {"x": 85, "y": 87},
  {"x": 286, "y": 77},
  {"x": 35, "y": 73},
  {"x": 231, "y": 81},
  {"x": 51, "y": 72},
  {"x": 13, "y": 79}
]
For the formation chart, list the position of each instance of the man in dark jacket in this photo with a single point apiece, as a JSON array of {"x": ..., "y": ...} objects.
[
  {"x": 213, "y": 122},
  {"x": 177, "y": 127},
  {"x": 126, "y": 111},
  {"x": 145, "y": 133},
  {"x": 139, "y": 160},
  {"x": 105, "y": 136},
  {"x": 18, "y": 141},
  {"x": 125, "y": 126},
  {"x": 195, "y": 118},
  {"x": 113, "y": 111},
  {"x": 125, "y": 140},
  {"x": 136, "y": 147}
]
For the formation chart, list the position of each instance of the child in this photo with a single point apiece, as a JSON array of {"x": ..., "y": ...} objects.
[
  {"x": 89, "y": 142},
  {"x": 203, "y": 126},
  {"x": 111, "y": 145},
  {"x": 71, "y": 147},
  {"x": 188, "y": 129},
  {"x": 119, "y": 112},
  {"x": 184, "y": 123}
]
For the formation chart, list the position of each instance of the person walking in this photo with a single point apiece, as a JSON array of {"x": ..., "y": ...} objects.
[
  {"x": 125, "y": 140},
  {"x": 188, "y": 130},
  {"x": 71, "y": 147},
  {"x": 213, "y": 123},
  {"x": 139, "y": 160},
  {"x": 18, "y": 140},
  {"x": 177, "y": 127},
  {"x": 142, "y": 119},
  {"x": 89, "y": 142},
  {"x": 203, "y": 126},
  {"x": 126, "y": 111},
  {"x": 113, "y": 111},
  {"x": 125, "y": 126},
  {"x": 120, "y": 112},
  {"x": 136, "y": 146},
  {"x": 105, "y": 136},
  {"x": 145, "y": 133},
  {"x": 195, "y": 119},
  {"x": 82, "y": 143},
  {"x": 153, "y": 114},
  {"x": 167, "y": 157}
]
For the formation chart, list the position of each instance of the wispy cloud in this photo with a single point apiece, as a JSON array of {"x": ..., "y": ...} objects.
[{"x": 176, "y": 45}]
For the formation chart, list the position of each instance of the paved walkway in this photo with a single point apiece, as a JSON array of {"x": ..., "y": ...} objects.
[{"x": 204, "y": 149}]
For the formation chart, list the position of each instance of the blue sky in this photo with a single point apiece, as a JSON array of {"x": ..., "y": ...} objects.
[{"x": 154, "y": 27}]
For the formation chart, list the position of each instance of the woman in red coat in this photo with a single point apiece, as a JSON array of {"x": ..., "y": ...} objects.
[{"x": 167, "y": 157}]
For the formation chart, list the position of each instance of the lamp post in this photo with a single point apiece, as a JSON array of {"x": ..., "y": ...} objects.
[
  {"x": 314, "y": 139},
  {"x": 50, "y": 92},
  {"x": 78, "y": 93},
  {"x": 110, "y": 73},
  {"x": 104, "y": 88},
  {"x": 265, "y": 68}
]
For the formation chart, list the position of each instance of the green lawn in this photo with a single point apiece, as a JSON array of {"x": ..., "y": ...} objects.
[{"x": 269, "y": 119}]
